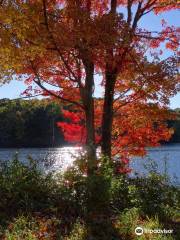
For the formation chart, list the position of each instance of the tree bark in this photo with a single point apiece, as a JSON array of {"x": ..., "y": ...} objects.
[
  {"x": 107, "y": 118},
  {"x": 110, "y": 76},
  {"x": 89, "y": 112}
]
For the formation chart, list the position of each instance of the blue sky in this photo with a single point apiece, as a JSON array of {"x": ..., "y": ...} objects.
[{"x": 151, "y": 22}]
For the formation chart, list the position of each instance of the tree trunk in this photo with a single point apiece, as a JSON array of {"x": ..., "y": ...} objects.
[
  {"x": 89, "y": 112},
  {"x": 107, "y": 118},
  {"x": 110, "y": 75}
]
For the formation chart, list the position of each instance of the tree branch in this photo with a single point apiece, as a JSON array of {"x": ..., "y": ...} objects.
[
  {"x": 113, "y": 6},
  {"x": 55, "y": 44},
  {"x": 129, "y": 11},
  {"x": 137, "y": 16},
  {"x": 51, "y": 93}
]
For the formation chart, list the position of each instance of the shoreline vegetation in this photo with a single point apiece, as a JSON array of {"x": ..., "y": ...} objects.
[
  {"x": 33, "y": 123},
  {"x": 37, "y": 206}
]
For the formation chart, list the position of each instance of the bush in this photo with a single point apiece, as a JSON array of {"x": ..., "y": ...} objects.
[
  {"x": 153, "y": 194},
  {"x": 31, "y": 228},
  {"x": 73, "y": 206},
  {"x": 24, "y": 188},
  {"x": 156, "y": 196},
  {"x": 130, "y": 219},
  {"x": 79, "y": 232}
]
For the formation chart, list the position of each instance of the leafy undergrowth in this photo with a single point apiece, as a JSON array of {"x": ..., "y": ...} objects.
[{"x": 71, "y": 206}]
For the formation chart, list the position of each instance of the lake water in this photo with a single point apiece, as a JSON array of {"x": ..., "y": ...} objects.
[{"x": 167, "y": 158}]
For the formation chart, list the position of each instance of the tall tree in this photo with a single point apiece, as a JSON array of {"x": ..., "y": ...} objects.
[{"x": 60, "y": 45}]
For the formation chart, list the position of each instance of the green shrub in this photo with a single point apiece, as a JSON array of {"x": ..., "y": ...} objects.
[
  {"x": 128, "y": 221},
  {"x": 21, "y": 228},
  {"x": 101, "y": 206},
  {"x": 79, "y": 232},
  {"x": 24, "y": 188},
  {"x": 155, "y": 196},
  {"x": 33, "y": 228},
  {"x": 152, "y": 224}
]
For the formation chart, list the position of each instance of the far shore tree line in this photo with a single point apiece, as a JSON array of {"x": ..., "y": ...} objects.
[{"x": 33, "y": 123}]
